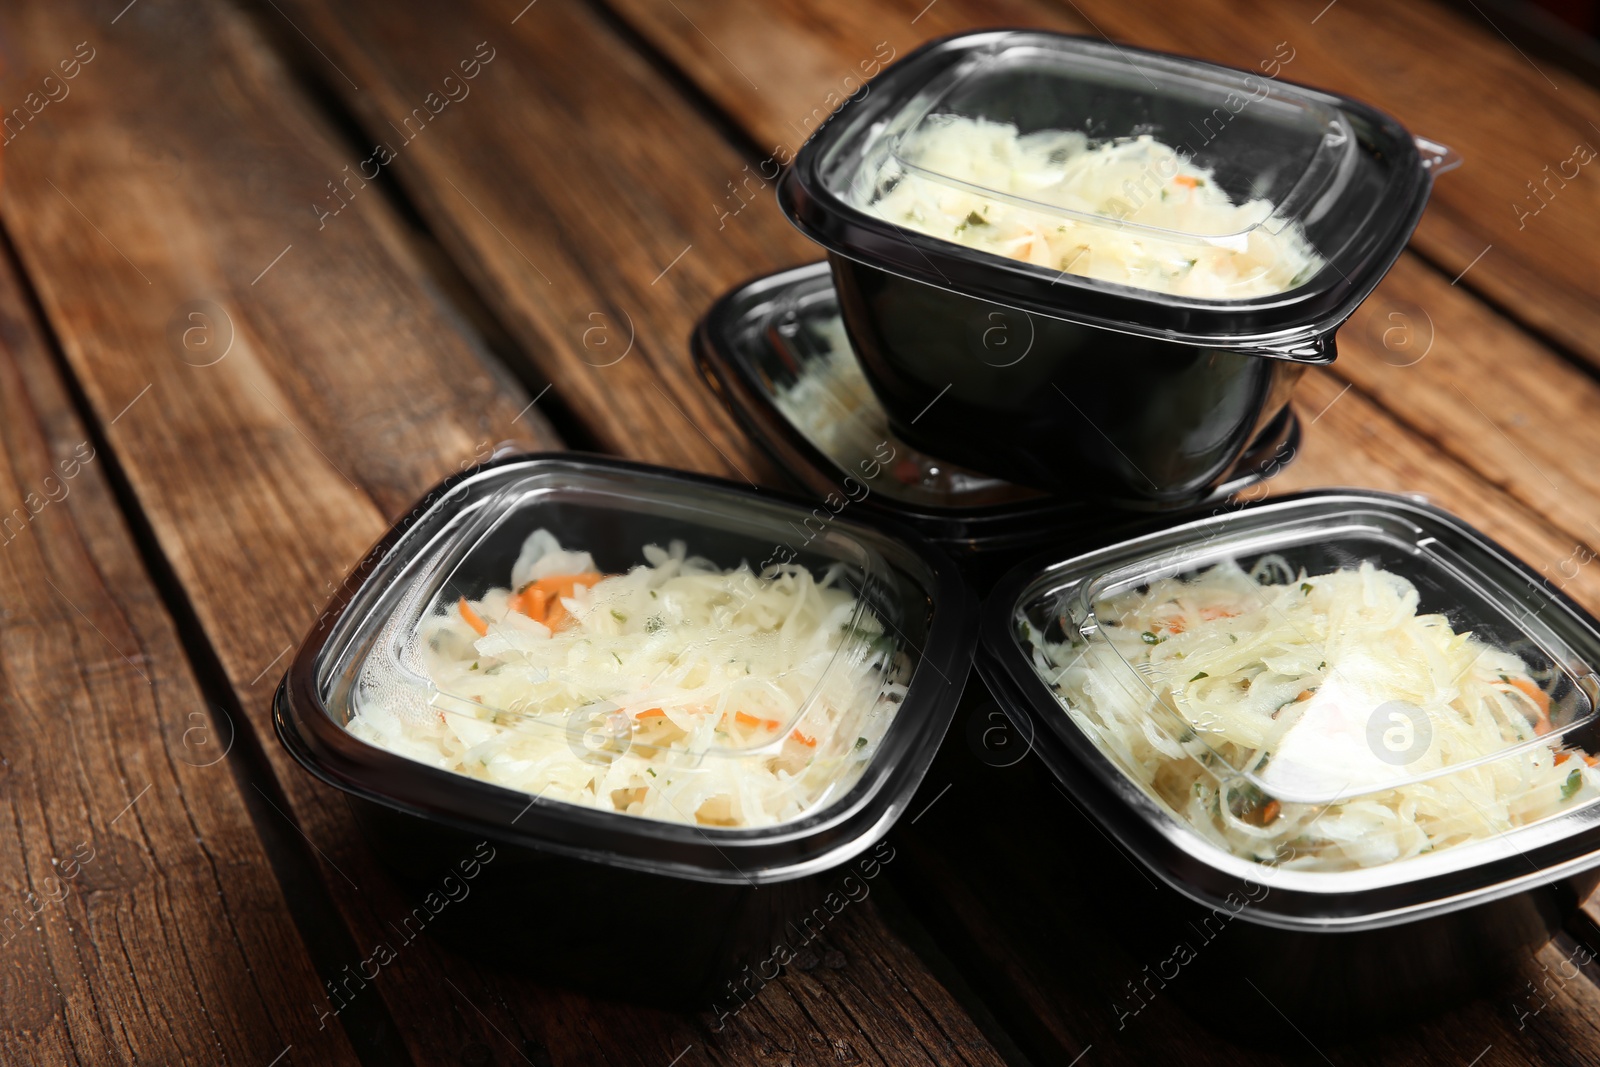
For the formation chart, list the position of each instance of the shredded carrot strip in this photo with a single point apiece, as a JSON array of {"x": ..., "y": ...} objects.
[
  {"x": 750, "y": 720},
  {"x": 540, "y": 600},
  {"x": 1213, "y": 614},
  {"x": 651, "y": 713},
  {"x": 809, "y": 742},
  {"x": 1534, "y": 693},
  {"x": 1176, "y": 625},
  {"x": 1590, "y": 760},
  {"x": 472, "y": 618},
  {"x": 1187, "y": 180},
  {"x": 1540, "y": 698},
  {"x": 1562, "y": 757},
  {"x": 533, "y": 603}
]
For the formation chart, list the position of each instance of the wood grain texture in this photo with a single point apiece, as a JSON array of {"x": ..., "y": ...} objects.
[
  {"x": 586, "y": 197},
  {"x": 347, "y": 391},
  {"x": 139, "y": 918},
  {"x": 1449, "y": 370}
]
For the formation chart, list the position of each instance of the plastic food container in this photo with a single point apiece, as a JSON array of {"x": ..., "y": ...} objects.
[
  {"x": 1348, "y": 735},
  {"x": 599, "y": 877},
  {"x": 1093, "y": 269},
  {"x": 776, "y": 351}
]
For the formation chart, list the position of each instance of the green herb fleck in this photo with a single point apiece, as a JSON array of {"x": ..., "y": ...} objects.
[
  {"x": 975, "y": 219},
  {"x": 1573, "y": 783},
  {"x": 654, "y": 624},
  {"x": 1305, "y": 588},
  {"x": 1322, "y": 666},
  {"x": 1151, "y": 639},
  {"x": 619, "y": 616},
  {"x": 861, "y": 742},
  {"x": 1199, "y": 676},
  {"x": 617, "y": 658},
  {"x": 650, "y": 771},
  {"x": 653, "y": 594},
  {"x": 474, "y": 666},
  {"x": 1234, "y": 638}
]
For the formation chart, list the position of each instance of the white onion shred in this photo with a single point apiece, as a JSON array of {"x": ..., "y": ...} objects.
[
  {"x": 1278, "y": 676},
  {"x": 677, "y": 691},
  {"x": 1217, "y": 249}
]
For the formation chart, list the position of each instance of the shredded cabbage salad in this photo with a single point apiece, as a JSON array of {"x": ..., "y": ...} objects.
[
  {"x": 830, "y": 400},
  {"x": 677, "y": 691},
  {"x": 1278, "y": 675},
  {"x": 1218, "y": 249}
]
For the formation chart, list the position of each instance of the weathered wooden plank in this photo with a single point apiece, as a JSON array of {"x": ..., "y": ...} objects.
[
  {"x": 577, "y": 189},
  {"x": 348, "y": 390},
  {"x": 139, "y": 918}
]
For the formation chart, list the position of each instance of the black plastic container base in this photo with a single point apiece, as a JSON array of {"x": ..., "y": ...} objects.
[
  {"x": 761, "y": 338},
  {"x": 1088, "y": 413},
  {"x": 689, "y": 939}
]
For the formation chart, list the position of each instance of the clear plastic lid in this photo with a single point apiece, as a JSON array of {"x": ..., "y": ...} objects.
[
  {"x": 1333, "y": 689},
  {"x": 638, "y": 646},
  {"x": 1150, "y": 173},
  {"x": 1157, "y": 194}
]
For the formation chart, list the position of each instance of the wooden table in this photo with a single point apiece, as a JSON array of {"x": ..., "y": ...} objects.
[{"x": 271, "y": 269}]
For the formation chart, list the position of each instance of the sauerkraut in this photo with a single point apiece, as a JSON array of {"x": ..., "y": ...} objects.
[
  {"x": 1103, "y": 210},
  {"x": 677, "y": 691},
  {"x": 830, "y": 400},
  {"x": 1331, "y": 689}
]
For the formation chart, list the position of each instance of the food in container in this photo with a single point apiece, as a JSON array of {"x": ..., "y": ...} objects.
[
  {"x": 804, "y": 675},
  {"x": 662, "y": 665},
  {"x": 1345, "y": 722},
  {"x": 1043, "y": 198},
  {"x": 776, "y": 351},
  {"x": 1097, "y": 270},
  {"x": 1313, "y": 684}
]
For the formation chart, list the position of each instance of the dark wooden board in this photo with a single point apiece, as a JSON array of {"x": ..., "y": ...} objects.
[
  {"x": 580, "y": 191},
  {"x": 139, "y": 916}
]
